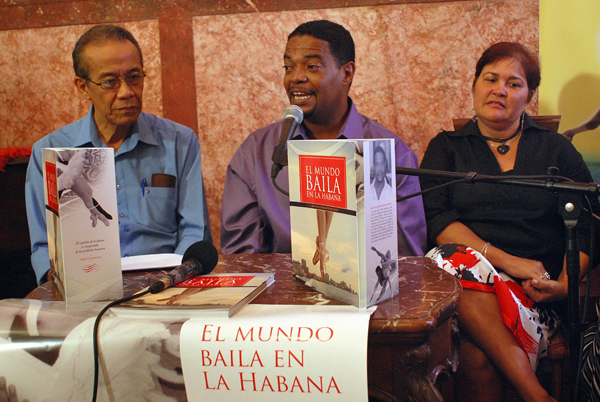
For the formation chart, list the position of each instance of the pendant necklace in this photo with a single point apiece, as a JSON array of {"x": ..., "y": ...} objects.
[{"x": 503, "y": 148}]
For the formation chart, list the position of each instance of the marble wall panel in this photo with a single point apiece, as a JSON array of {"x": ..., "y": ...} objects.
[
  {"x": 414, "y": 70},
  {"x": 415, "y": 66},
  {"x": 37, "y": 93}
]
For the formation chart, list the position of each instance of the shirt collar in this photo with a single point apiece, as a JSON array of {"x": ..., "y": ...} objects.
[
  {"x": 88, "y": 134},
  {"x": 528, "y": 123},
  {"x": 351, "y": 129},
  {"x": 140, "y": 132}
]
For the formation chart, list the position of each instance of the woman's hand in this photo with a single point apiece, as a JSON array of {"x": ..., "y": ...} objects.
[
  {"x": 535, "y": 280},
  {"x": 545, "y": 290},
  {"x": 518, "y": 267}
]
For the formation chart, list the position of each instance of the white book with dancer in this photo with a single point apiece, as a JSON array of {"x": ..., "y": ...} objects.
[
  {"x": 83, "y": 233},
  {"x": 343, "y": 218}
]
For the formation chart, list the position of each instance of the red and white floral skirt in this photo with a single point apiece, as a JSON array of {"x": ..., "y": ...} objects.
[{"x": 531, "y": 324}]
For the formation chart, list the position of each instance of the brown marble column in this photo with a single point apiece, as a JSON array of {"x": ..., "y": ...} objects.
[{"x": 177, "y": 61}]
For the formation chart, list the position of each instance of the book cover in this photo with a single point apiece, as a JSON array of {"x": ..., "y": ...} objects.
[
  {"x": 343, "y": 218},
  {"x": 223, "y": 294},
  {"x": 83, "y": 238}
]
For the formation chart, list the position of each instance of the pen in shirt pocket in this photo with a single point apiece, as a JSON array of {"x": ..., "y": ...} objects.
[{"x": 144, "y": 184}]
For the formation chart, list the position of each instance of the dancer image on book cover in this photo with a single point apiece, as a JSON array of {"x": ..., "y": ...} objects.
[
  {"x": 77, "y": 172},
  {"x": 179, "y": 299},
  {"x": 384, "y": 271},
  {"x": 321, "y": 255}
]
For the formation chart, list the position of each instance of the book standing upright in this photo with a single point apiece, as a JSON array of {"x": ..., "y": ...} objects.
[
  {"x": 83, "y": 238},
  {"x": 343, "y": 218}
]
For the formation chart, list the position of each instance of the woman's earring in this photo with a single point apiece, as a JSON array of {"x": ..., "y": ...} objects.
[{"x": 474, "y": 118}]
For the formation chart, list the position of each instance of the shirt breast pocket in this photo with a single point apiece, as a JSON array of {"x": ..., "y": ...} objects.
[{"x": 159, "y": 208}]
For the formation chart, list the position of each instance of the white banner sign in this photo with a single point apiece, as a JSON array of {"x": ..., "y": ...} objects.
[{"x": 277, "y": 352}]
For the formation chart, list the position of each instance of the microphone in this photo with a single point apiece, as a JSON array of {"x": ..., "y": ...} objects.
[
  {"x": 292, "y": 117},
  {"x": 199, "y": 259}
]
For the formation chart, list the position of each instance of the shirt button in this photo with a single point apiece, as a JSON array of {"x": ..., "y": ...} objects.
[
  {"x": 126, "y": 229},
  {"x": 122, "y": 214},
  {"x": 118, "y": 186}
]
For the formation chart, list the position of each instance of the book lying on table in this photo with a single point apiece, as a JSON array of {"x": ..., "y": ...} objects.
[
  {"x": 343, "y": 218},
  {"x": 222, "y": 294}
]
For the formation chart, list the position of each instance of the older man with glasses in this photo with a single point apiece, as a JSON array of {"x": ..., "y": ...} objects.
[{"x": 160, "y": 196}]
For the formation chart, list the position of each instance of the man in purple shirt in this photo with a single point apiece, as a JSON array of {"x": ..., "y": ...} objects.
[{"x": 319, "y": 69}]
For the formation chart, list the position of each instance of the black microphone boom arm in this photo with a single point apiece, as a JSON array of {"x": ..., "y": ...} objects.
[{"x": 548, "y": 182}]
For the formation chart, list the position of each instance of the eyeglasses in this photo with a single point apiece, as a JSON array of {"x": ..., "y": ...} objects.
[{"x": 115, "y": 83}]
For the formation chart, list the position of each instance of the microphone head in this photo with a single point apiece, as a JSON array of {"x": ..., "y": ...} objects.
[
  {"x": 205, "y": 253},
  {"x": 294, "y": 112}
]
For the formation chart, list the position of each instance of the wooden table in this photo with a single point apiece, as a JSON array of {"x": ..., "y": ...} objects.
[{"x": 413, "y": 338}]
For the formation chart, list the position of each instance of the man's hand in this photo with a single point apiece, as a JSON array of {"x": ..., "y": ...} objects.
[{"x": 8, "y": 394}]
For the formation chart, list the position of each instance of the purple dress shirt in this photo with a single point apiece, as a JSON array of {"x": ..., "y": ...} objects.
[{"x": 256, "y": 216}]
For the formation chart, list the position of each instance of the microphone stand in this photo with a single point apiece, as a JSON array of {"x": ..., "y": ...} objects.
[
  {"x": 570, "y": 205},
  {"x": 275, "y": 169}
]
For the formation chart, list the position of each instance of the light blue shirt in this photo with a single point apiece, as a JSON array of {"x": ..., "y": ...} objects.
[{"x": 165, "y": 219}]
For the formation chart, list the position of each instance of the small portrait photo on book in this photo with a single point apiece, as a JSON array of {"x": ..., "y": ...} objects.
[{"x": 381, "y": 183}]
